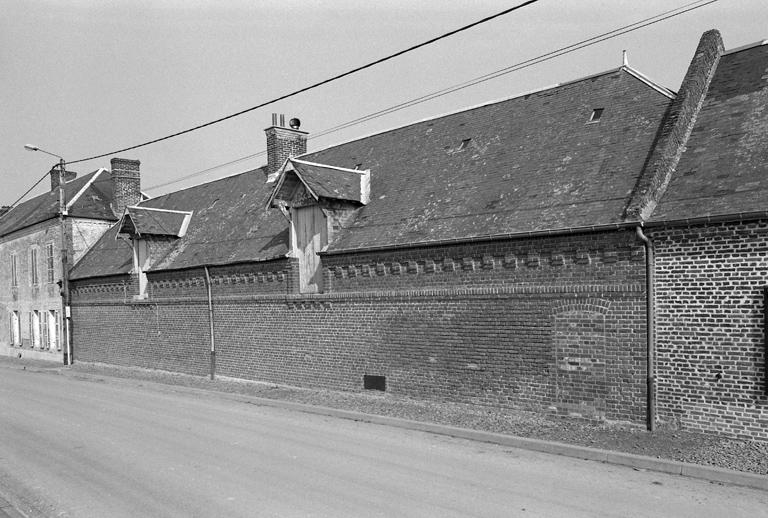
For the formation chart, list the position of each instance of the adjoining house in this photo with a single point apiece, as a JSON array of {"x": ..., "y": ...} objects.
[
  {"x": 499, "y": 255},
  {"x": 31, "y": 251}
]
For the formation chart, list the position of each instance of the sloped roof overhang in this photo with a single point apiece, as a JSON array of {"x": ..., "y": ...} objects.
[
  {"x": 147, "y": 221},
  {"x": 322, "y": 181}
]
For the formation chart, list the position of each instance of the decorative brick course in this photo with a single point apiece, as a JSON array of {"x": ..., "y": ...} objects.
[{"x": 568, "y": 339}]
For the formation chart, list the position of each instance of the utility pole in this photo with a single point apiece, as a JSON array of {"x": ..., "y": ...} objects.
[{"x": 66, "y": 342}]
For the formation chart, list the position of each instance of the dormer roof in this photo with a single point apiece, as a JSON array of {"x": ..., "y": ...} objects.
[
  {"x": 321, "y": 181},
  {"x": 149, "y": 221}
]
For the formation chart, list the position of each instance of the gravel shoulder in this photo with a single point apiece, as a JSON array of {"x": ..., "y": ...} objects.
[{"x": 678, "y": 445}]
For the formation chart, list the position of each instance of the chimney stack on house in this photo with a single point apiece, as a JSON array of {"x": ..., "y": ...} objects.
[
  {"x": 283, "y": 142},
  {"x": 126, "y": 180},
  {"x": 68, "y": 177}
]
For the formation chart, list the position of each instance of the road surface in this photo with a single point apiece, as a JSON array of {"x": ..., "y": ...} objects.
[{"x": 102, "y": 447}]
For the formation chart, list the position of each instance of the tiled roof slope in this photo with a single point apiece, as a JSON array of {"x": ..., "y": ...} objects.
[
  {"x": 525, "y": 164},
  {"x": 724, "y": 169},
  {"x": 93, "y": 203},
  {"x": 229, "y": 224},
  {"x": 329, "y": 182},
  {"x": 145, "y": 221}
]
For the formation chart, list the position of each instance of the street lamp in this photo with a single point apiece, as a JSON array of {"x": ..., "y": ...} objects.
[{"x": 64, "y": 253}]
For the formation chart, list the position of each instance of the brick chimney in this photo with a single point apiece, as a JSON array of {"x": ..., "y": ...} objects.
[
  {"x": 283, "y": 142},
  {"x": 68, "y": 177},
  {"x": 676, "y": 128},
  {"x": 126, "y": 179}
]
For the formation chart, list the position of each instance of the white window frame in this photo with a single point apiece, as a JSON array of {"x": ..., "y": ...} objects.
[
  {"x": 15, "y": 328},
  {"x": 34, "y": 274},
  {"x": 53, "y": 329},
  {"x": 14, "y": 271},
  {"x": 36, "y": 331},
  {"x": 50, "y": 263}
]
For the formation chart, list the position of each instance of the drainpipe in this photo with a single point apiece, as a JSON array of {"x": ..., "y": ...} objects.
[
  {"x": 210, "y": 322},
  {"x": 649, "y": 333}
]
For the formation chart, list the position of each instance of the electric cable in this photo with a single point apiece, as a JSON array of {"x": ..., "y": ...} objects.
[
  {"x": 12, "y": 205},
  {"x": 477, "y": 80},
  {"x": 314, "y": 85}
]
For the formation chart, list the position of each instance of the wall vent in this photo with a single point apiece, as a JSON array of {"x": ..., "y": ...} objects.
[{"x": 374, "y": 382}]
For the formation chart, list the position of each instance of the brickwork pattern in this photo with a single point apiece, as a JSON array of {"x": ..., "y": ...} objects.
[
  {"x": 574, "y": 260},
  {"x": 510, "y": 340},
  {"x": 283, "y": 143},
  {"x": 126, "y": 176},
  {"x": 710, "y": 327}
]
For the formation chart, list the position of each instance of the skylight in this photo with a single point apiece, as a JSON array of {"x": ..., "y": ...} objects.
[{"x": 597, "y": 113}]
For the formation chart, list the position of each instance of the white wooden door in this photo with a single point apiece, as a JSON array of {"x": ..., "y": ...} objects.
[{"x": 311, "y": 236}]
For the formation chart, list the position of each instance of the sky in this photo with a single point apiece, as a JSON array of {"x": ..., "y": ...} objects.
[{"x": 80, "y": 78}]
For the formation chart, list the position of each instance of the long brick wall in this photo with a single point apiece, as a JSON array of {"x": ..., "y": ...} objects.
[
  {"x": 553, "y": 324},
  {"x": 710, "y": 327}
]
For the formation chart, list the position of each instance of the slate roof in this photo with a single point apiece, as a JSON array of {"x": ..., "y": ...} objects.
[
  {"x": 325, "y": 181},
  {"x": 145, "y": 221},
  {"x": 229, "y": 224},
  {"x": 525, "y": 164},
  {"x": 92, "y": 203},
  {"x": 724, "y": 170}
]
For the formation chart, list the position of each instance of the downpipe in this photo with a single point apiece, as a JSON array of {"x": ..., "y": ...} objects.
[
  {"x": 210, "y": 322},
  {"x": 650, "y": 367}
]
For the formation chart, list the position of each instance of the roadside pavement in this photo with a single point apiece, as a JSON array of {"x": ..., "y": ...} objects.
[{"x": 708, "y": 457}]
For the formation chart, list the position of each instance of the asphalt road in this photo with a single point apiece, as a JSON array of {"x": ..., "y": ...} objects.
[{"x": 74, "y": 447}]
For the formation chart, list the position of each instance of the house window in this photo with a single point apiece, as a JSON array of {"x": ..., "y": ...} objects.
[
  {"x": 35, "y": 325},
  {"x": 33, "y": 275},
  {"x": 15, "y": 328},
  {"x": 49, "y": 261},
  {"x": 53, "y": 334},
  {"x": 14, "y": 272}
]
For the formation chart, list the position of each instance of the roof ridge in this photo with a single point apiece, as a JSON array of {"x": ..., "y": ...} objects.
[
  {"x": 159, "y": 210},
  {"x": 344, "y": 169},
  {"x": 84, "y": 188},
  {"x": 201, "y": 184},
  {"x": 650, "y": 82},
  {"x": 633, "y": 72},
  {"x": 745, "y": 47}
]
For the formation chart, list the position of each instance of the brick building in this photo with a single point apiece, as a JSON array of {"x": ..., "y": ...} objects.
[
  {"x": 500, "y": 255},
  {"x": 31, "y": 248}
]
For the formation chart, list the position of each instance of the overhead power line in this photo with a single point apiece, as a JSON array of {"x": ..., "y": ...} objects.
[
  {"x": 477, "y": 80},
  {"x": 315, "y": 85},
  {"x": 12, "y": 205}
]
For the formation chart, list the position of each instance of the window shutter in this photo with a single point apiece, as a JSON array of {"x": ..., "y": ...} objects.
[{"x": 44, "y": 326}]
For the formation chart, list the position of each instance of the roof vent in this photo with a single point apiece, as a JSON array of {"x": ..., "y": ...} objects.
[{"x": 597, "y": 113}]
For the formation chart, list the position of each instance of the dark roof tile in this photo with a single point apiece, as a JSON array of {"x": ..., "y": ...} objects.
[
  {"x": 94, "y": 203},
  {"x": 724, "y": 169},
  {"x": 524, "y": 164}
]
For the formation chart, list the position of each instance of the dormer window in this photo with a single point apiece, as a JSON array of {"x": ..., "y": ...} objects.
[
  {"x": 142, "y": 225},
  {"x": 316, "y": 198},
  {"x": 597, "y": 114}
]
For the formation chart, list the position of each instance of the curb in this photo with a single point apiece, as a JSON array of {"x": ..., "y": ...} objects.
[{"x": 671, "y": 467}]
